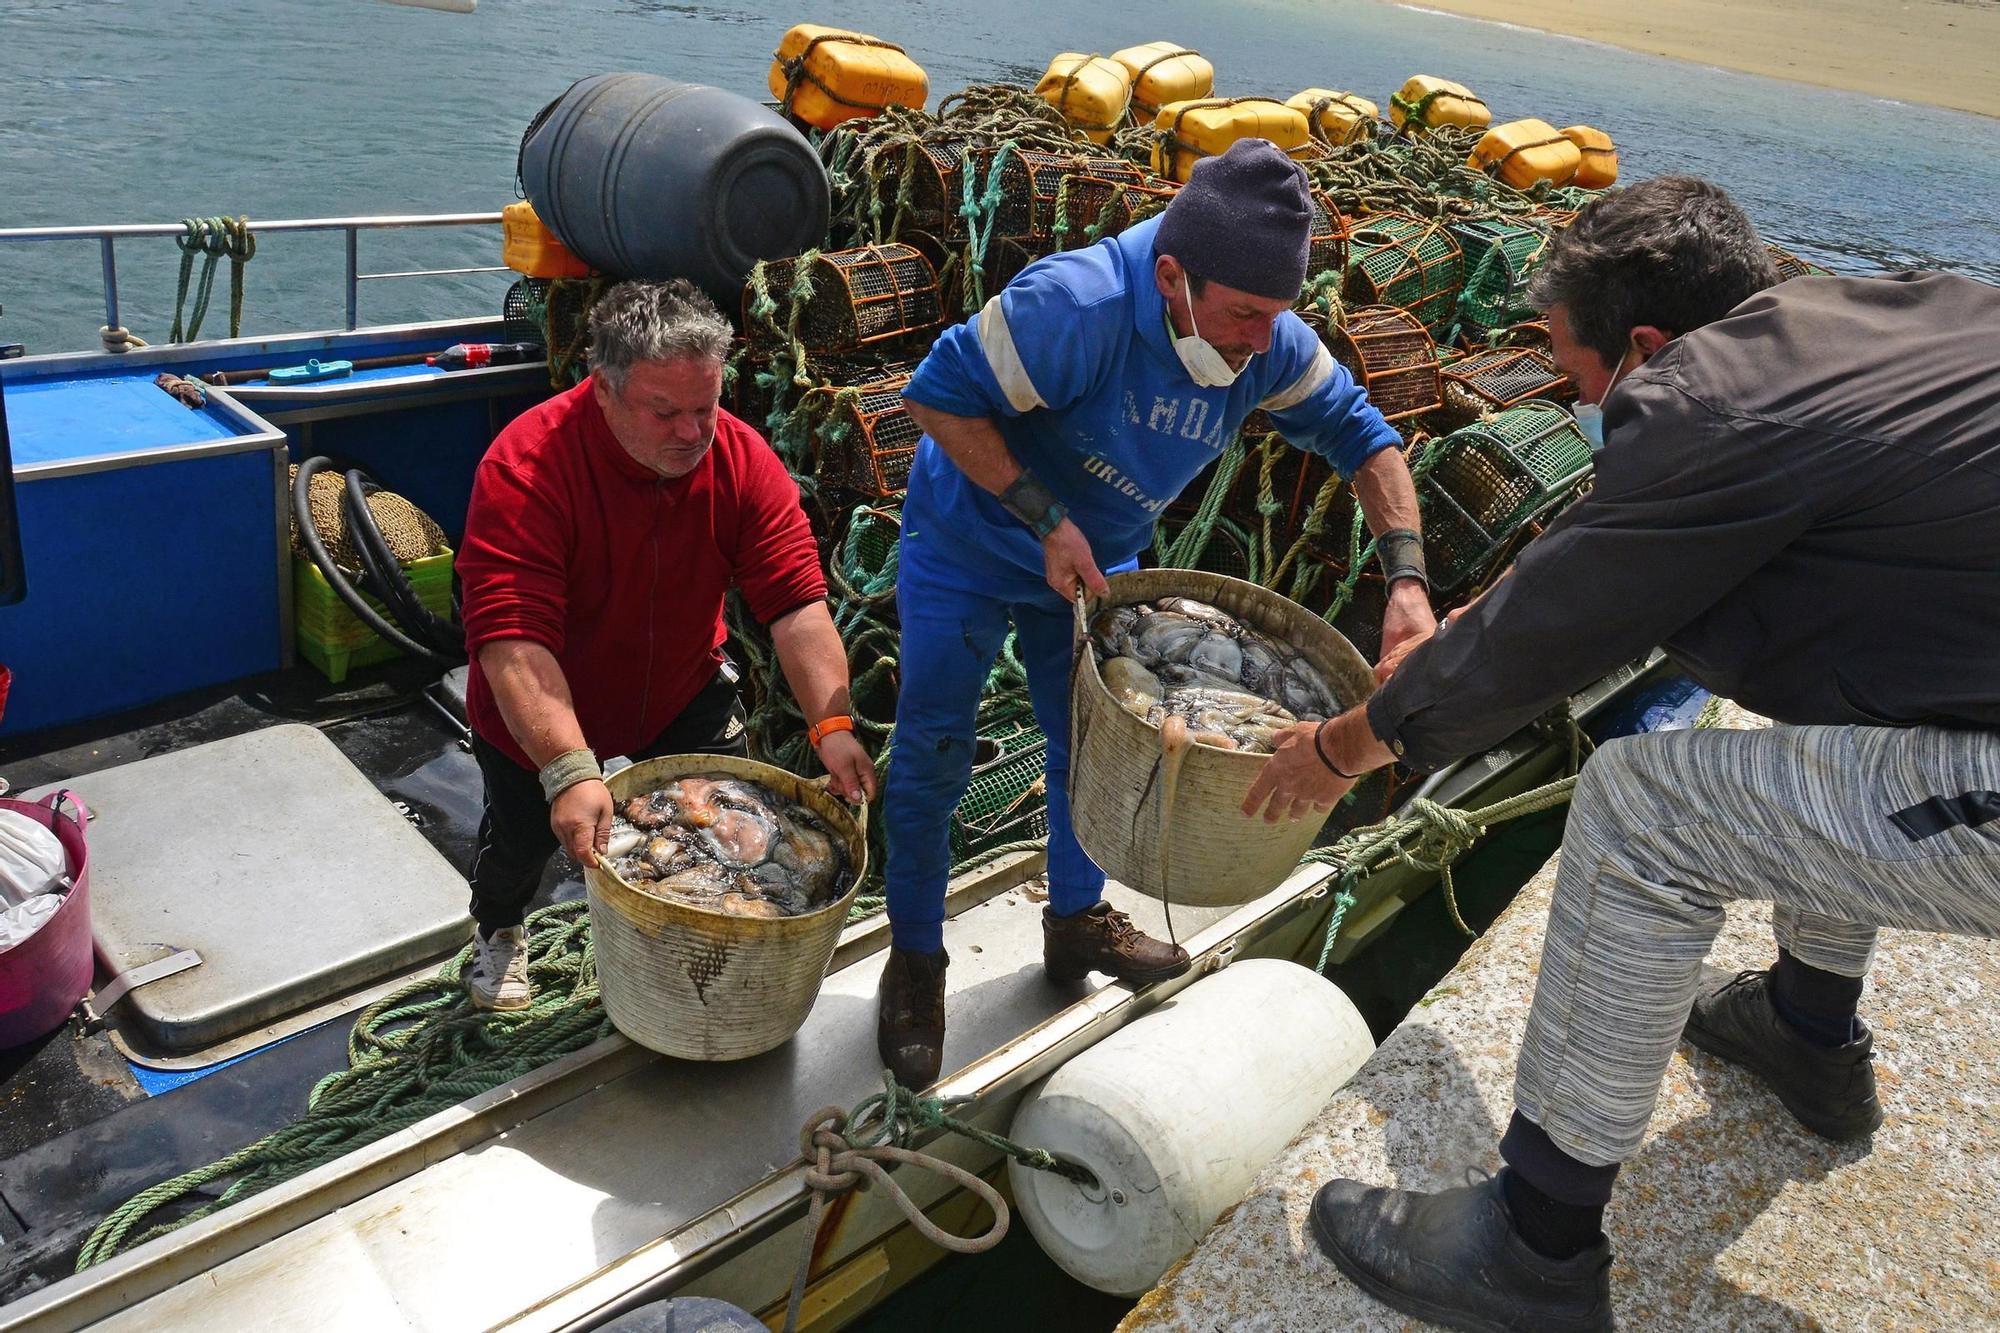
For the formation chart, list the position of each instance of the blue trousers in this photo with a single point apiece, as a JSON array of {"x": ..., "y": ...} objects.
[{"x": 954, "y": 624}]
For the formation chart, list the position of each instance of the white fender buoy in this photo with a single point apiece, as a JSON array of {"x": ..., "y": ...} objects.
[{"x": 1176, "y": 1114}]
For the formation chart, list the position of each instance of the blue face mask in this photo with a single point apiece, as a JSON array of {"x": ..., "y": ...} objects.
[{"x": 1590, "y": 416}]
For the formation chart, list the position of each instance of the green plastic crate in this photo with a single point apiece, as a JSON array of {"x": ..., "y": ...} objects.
[{"x": 333, "y": 638}]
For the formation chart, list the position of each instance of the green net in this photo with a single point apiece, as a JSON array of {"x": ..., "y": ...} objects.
[
  {"x": 1008, "y": 800},
  {"x": 1500, "y": 256},
  {"x": 1490, "y": 480},
  {"x": 1406, "y": 262}
]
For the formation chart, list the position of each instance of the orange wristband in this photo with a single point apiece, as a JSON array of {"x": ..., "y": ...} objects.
[{"x": 820, "y": 730}]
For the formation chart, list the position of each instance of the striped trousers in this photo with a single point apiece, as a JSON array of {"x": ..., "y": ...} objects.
[{"x": 1842, "y": 829}]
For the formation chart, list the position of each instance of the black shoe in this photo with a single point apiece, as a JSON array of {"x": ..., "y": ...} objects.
[
  {"x": 909, "y": 1016},
  {"x": 1831, "y": 1089},
  {"x": 1454, "y": 1258}
]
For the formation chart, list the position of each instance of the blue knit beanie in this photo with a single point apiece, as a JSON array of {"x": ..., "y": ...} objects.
[{"x": 1244, "y": 219}]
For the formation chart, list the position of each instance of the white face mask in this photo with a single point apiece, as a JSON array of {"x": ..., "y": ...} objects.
[
  {"x": 1590, "y": 416},
  {"x": 1206, "y": 366}
]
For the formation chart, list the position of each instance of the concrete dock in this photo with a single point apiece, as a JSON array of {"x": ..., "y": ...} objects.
[{"x": 1732, "y": 1218}]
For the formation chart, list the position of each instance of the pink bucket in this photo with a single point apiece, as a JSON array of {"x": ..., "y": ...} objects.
[{"x": 43, "y": 977}]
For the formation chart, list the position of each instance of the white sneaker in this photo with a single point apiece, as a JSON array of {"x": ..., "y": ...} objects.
[{"x": 499, "y": 977}]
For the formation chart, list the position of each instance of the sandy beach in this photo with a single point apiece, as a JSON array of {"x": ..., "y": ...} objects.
[{"x": 1941, "y": 52}]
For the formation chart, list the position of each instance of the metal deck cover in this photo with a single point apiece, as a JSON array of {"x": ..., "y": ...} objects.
[{"x": 278, "y": 861}]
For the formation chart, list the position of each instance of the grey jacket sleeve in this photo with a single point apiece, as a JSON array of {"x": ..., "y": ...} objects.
[{"x": 1686, "y": 504}]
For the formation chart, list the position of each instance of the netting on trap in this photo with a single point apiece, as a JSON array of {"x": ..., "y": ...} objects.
[
  {"x": 859, "y": 297},
  {"x": 1408, "y": 262},
  {"x": 925, "y": 179},
  {"x": 1042, "y": 180},
  {"x": 1328, "y": 246},
  {"x": 1494, "y": 380},
  {"x": 1500, "y": 256},
  {"x": 1791, "y": 266},
  {"x": 867, "y": 554},
  {"x": 1226, "y": 551},
  {"x": 1095, "y": 206},
  {"x": 556, "y": 314},
  {"x": 1008, "y": 798},
  {"x": 868, "y": 438},
  {"x": 1390, "y": 354},
  {"x": 1494, "y": 476}
]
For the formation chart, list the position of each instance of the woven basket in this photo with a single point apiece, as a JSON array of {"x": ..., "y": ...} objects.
[
  {"x": 1172, "y": 828},
  {"x": 702, "y": 985}
]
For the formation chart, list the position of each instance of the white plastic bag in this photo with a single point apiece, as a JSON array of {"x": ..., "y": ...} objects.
[
  {"x": 31, "y": 859},
  {"x": 19, "y": 922}
]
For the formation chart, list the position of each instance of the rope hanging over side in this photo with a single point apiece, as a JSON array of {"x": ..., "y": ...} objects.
[
  {"x": 1426, "y": 837},
  {"x": 214, "y": 239}
]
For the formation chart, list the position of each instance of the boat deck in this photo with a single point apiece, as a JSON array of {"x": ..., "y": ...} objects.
[{"x": 1733, "y": 1217}]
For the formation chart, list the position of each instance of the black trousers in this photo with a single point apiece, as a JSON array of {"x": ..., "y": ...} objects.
[{"x": 515, "y": 840}]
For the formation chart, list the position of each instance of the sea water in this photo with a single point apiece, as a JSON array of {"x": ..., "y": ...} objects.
[{"x": 148, "y": 111}]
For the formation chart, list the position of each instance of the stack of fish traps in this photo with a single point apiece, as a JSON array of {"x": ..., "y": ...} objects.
[{"x": 1418, "y": 279}]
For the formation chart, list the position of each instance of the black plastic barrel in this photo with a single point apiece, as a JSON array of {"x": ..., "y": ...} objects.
[{"x": 642, "y": 177}]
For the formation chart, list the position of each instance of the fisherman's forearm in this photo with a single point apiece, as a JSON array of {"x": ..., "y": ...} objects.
[
  {"x": 533, "y": 698},
  {"x": 814, "y": 661},
  {"x": 1387, "y": 495},
  {"x": 974, "y": 444}
]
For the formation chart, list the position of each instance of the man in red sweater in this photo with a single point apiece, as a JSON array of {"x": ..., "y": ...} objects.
[{"x": 605, "y": 527}]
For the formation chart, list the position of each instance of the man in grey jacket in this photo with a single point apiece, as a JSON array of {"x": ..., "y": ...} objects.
[{"x": 1796, "y": 499}]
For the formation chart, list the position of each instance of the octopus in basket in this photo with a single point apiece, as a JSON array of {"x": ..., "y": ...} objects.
[
  {"x": 1235, "y": 687},
  {"x": 729, "y": 846}
]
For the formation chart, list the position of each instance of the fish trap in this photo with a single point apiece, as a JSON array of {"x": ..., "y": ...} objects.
[
  {"x": 1495, "y": 476},
  {"x": 1499, "y": 258},
  {"x": 857, "y": 298},
  {"x": 1407, "y": 262},
  {"x": 868, "y": 438},
  {"x": 1098, "y": 207},
  {"x": 1042, "y": 179},
  {"x": 521, "y": 310},
  {"x": 1327, "y": 252},
  {"x": 1390, "y": 354},
  {"x": 1791, "y": 266},
  {"x": 1505, "y": 377},
  {"x": 1007, "y": 800},
  {"x": 864, "y": 563},
  {"x": 925, "y": 180}
]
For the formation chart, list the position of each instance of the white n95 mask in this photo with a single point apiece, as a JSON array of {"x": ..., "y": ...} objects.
[{"x": 1206, "y": 366}]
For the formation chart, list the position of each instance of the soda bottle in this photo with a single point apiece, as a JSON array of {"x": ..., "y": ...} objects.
[{"x": 471, "y": 356}]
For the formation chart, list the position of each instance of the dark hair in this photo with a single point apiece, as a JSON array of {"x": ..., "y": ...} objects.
[{"x": 1674, "y": 252}]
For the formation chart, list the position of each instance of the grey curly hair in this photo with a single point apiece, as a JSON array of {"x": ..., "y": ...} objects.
[{"x": 653, "y": 321}]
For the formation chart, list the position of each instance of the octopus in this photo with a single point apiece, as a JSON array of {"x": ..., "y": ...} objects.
[{"x": 729, "y": 846}]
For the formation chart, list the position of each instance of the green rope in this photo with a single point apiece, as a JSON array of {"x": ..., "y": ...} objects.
[
  {"x": 214, "y": 239},
  {"x": 1426, "y": 837},
  {"x": 902, "y": 1118},
  {"x": 417, "y": 1051}
]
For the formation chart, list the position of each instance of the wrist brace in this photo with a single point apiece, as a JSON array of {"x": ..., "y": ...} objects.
[{"x": 566, "y": 770}]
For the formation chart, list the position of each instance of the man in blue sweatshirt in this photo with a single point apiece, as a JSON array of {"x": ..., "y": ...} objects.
[{"x": 1059, "y": 422}]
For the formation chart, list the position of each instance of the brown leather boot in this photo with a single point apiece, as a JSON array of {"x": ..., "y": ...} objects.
[
  {"x": 1102, "y": 940},
  {"x": 909, "y": 1023}
]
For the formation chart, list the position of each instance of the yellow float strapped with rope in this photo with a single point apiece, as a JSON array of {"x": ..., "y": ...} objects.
[
  {"x": 1599, "y": 169},
  {"x": 824, "y": 76},
  {"x": 1523, "y": 152},
  {"x": 1336, "y": 117},
  {"x": 1428, "y": 102},
  {"x": 1164, "y": 72},
  {"x": 1205, "y": 127},
  {"x": 1091, "y": 91}
]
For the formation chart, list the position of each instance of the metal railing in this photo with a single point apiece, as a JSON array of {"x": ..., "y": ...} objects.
[{"x": 107, "y": 238}]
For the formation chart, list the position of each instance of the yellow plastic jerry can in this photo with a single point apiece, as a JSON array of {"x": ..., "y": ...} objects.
[
  {"x": 1164, "y": 72},
  {"x": 1341, "y": 117},
  {"x": 824, "y": 76},
  {"x": 1522, "y": 152},
  {"x": 1202, "y": 128},
  {"x": 1600, "y": 157},
  {"x": 1432, "y": 101},
  {"x": 1091, "y": 91},
  {"x": 529, "y": 247}
]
